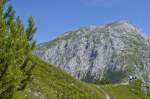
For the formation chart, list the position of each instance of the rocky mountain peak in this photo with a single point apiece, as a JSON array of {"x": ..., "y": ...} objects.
[
  {"x": 120, "y": 22},
  {"x": 117, "y": 26},
  {"x": 112, "y": 51}
]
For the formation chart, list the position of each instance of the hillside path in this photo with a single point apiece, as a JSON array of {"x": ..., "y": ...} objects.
[{"x": 105, "y": 93}]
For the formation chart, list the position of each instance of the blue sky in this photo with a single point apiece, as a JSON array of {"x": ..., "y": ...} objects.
[{"x": 54, "y": 17}]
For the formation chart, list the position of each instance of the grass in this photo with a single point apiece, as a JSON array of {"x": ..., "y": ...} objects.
[
  {"x": 52, "y": 83},
  {"x": 123, "y": 92}
]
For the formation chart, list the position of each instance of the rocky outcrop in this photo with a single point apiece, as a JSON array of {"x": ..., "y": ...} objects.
[{"x": 111, "y": 51}]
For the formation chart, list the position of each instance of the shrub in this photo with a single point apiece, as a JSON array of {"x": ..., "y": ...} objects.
[
  {"x": 135, "y": 86},
  {"x": 103, "y": 81}
]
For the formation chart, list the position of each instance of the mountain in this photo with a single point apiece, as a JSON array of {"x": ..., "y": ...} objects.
[
  {"x": 112, "y": 51},
  {"x": 50, "y": 82}
]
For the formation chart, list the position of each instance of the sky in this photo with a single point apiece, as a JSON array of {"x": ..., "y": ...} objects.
[{"x": 54, "y": 17}]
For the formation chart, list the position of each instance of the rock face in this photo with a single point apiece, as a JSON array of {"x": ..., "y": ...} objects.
[{"x": 112, "y": 51}]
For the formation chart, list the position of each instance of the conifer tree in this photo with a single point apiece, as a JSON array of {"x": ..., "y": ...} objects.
[{"x": 16, "y": 46}]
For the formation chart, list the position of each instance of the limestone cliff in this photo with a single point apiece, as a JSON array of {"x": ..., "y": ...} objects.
[{"x": 111, "y": 51}]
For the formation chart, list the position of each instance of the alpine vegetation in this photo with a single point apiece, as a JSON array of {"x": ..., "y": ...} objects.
[{"x": 17, "y": 45}]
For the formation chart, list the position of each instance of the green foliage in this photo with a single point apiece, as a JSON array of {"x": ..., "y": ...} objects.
[
  {"x": 116, "y": 76},
  {"x": 103, "y": 82},
  {"x": 16, "y": 49},
  {"x": 53, "y": 83},
  {"x": 135, "y": 86},
  {"x": 123, "y": 92}
]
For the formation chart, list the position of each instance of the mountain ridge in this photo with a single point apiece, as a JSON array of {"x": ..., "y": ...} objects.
[
  {"x": 91, "y": 27},
  {"x": 93, "y": 52}
]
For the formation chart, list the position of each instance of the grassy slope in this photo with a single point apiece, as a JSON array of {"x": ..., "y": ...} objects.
[
  {"x": 122, "y": 92},
  {"x": 52, "y": 83}
]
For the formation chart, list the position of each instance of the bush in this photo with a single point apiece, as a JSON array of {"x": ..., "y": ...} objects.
[
  {"x": 135, "y": 86},
  {"x": 103, "y": 81}
]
